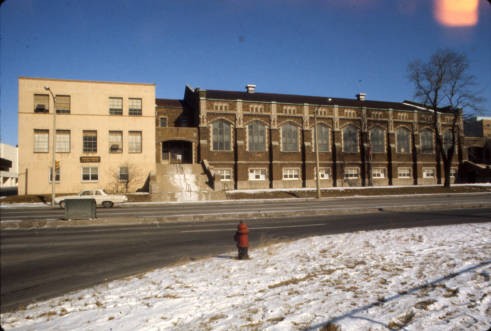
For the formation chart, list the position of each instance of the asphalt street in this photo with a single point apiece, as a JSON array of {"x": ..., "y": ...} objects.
[{"x": 42, "y": 263}]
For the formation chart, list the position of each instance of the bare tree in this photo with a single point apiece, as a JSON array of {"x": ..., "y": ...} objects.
[
  {"x": 445, "y": 86},
  {"x": 126, "y": 177}
]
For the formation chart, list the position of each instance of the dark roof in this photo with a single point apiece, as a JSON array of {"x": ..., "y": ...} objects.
[
  {"x": 300, "y": 99},
  {"x": 169, "y": 103}
]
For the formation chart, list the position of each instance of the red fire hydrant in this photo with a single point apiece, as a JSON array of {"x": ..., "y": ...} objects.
[{"x": 242, "y": 239}]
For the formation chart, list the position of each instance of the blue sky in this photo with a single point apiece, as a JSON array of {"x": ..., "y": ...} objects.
[{"x": 313, "y": 47}]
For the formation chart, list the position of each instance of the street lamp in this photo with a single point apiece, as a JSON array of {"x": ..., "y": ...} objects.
[{"x": 53, "y": 148}]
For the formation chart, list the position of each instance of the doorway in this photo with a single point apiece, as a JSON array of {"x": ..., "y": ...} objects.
[{"x": 177, "y": 151}]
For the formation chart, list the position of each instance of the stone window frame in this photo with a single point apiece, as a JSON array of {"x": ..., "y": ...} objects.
[
  {"x": 264, "y": 124},
  {"x": 432, "y": 136},
  {"x": 325, "y": 173},
  {"x": 252, "y": 174},
  {"x": 225, "y": 174},
  {"x": 401, "y": 171},
  {"x": 384, "y": 137},
  {"x": 429, "y": 170},
  {"x": 351, "y": 173},
  {"x": 231, "y": 135},
  {"x": 379, "y": 173},
  {"x": 398, "y": 143},
  {"x": 290, "y": 173},
  {"x": 357, "y": 138},
  {"x": 329, "y": 134},
  {"x": 297, "y": 131}
]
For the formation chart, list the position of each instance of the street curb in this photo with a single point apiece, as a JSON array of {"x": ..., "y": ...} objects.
[{"x": 132, "y": 221}]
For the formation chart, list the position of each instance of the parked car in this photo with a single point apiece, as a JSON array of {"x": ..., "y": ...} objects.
[{"x": 100, "y": 196}]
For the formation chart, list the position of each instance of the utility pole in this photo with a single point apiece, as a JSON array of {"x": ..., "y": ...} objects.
[
  {"x": 317, "y": 170},
  {"x": 53, "y": 149}
]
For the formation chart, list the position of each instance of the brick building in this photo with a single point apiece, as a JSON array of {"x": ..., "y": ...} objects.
[{"x": 249, "y": 140}]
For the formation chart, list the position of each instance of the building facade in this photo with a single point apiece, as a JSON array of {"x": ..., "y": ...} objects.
[
  {"x": 250, "y": 140},
  {"x": 119, "y": 137},
  {"x": 103, "y": 135},
  {"x": 9, "y": 167}
]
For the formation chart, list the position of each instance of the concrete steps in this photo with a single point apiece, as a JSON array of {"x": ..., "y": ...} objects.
[{"x": 182, "y": 182}]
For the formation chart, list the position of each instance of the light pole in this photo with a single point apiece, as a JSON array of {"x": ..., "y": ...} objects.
[
  {"x": 317, "y": 170},
  {"x": 53, "y": 148}
]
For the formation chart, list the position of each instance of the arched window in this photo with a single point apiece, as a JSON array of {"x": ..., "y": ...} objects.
[
  {"x": 350, "y": 139},
  {"x": 322, "y": 137},
  {"x": 289, "y": 138},
  {"x": 377, "y": 140},
  {"x": 221, "y": 135},
  {"x": 447, "y": 140},
  {"x": 403, "y": 140},
  {"x": 426, "y": 140},
  {"x": 256, "y": 137}
]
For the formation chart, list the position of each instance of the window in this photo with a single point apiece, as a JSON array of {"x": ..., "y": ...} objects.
[
  {"x": 378, "y": 173},
  {"x": 225, "y": 174},
  {"x": 377, "y": 140},
  {"x": 123, "y": 174},
  {"x": 350, "y": 139},
  {"x": 115, "y": 141},
  {"x": 257, "y": 174},
  {"x": 324, "y": 173},
  {"x": 41, "y": 103},
  {"x": 90, "y": 141},
  {"x": 62, "y": 141},
  {"x": 428, "y": 173},
  {"x": 291, "y": 173},
  {"x": 351, "y": 173},
  {"x": 163, "y": 122},
  {"x": 256, "y": 137},
  {"x": 322, "y": 138},
  {"x": 135, "y": 107},
  {"x": 403, "y": 172},
  {"x": 41, "y": 141},
  {"x": 221, "y": 135},
  {"x": 447, "y": 140},
  {"x": 90, "y": 174},
  {"x": 62, "y": 104},
  {"x": 135, "y": 142},
  {"x": 402, "y": 140},
  {"x": 289, "y": 138},
  {"x": 57, "y": 175},
  {"x": 115, "y": 106},
  {"x": 426, "y": 139}
]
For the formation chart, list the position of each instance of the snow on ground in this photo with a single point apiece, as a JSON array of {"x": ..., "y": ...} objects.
[
  {"x": 434, "y": 278},
  {"x": 185, "y": 180}
]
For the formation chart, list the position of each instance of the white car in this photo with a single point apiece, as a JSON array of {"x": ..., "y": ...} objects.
[{"x": 100, "y": 196}]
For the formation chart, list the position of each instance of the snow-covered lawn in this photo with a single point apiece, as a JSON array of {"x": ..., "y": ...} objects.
[{"x": 434, "y": 278}]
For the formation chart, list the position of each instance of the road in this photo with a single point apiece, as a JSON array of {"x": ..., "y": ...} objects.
[
  {"x": 262, "y": 207},
  {"x": 42, "y": 263}
]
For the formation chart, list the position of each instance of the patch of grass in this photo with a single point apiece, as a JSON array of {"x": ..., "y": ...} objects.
[
  {"x": 424, "y": 304},
  {"x": 331, "y": 327},
  {"x": 401, "y": 321}
]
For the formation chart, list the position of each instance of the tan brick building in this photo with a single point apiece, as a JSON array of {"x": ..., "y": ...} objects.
[
  {"x": 105, "y": 135},
  {"x": 252, "y": 140}
]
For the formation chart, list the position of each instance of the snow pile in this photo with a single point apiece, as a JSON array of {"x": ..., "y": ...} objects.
[{"x": 434, "y": 278}]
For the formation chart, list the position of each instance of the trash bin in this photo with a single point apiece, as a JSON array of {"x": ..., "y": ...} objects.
[{"x": 80, "y": 209}]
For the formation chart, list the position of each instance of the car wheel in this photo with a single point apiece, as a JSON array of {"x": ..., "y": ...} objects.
[
  {"x": 107, "y": 204},
  {"x": 62, "y": 204}
]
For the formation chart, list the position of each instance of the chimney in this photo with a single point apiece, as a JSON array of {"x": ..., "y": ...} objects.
[
  {"x": 251, "y": 88},
  {"x": 361, "y": 96}
]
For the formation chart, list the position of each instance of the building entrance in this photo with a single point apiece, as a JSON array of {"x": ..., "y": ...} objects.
[{"x": 177, "y": 151}]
